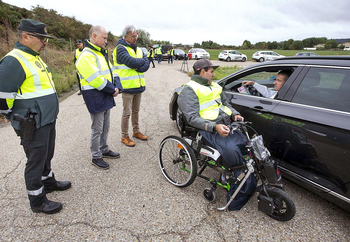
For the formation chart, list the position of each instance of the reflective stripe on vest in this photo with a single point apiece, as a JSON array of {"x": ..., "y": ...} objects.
[
  {"x": 129, "y": 78},
  {"x": 91, "y": 82},
  {"x": 209, "y": 100},
  {"x": 38, "y": 81}
]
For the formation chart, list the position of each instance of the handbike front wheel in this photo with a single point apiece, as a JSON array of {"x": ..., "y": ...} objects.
[
  {"x": 177, "y": 161},
  {"x": 284, "y": 208}
]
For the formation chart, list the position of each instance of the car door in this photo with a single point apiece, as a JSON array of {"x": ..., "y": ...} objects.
[
  {"x": 255, "y": 109},
  {"x": 310, "y": 130}
]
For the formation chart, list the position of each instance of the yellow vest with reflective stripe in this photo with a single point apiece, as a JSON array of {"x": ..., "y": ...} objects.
[
  {"x": 94, "y": 71},
  {"x": 129, "y": 78},
  {"x": 149, "y": 53},
  {"x": 158, "y": 51},
  {"x": 209, "y": 100},
  {"x": 77, "y": 53},
  {"x": 38, "y": 82}
]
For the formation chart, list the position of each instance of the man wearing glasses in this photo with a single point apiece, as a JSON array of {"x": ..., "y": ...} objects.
[
  {"x": 130, "y": 64},
  {"x": 29, "y": 100}
]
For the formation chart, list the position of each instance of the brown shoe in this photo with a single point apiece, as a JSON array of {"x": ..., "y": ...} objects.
[
  {"x": 140, "y": 136},
  {"x": 128, "y": 142}
]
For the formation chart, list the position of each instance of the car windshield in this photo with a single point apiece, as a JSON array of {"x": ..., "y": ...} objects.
[{"x": 200, "y": 50}]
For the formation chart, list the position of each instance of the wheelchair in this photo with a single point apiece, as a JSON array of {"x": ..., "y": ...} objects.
[{"x": 182, "y": 159}]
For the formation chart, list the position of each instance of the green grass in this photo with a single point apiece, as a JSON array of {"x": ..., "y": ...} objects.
[
  {"x": 222, "y": 71},
  {"x": 214, "y": 53}
]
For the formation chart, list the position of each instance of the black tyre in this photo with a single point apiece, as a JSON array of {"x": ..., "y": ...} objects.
[
  {"x": 261, "y": 59},
  {"x": 284, "y": 208},
  {"x": 228, "y": 59},
  {"x": 197, "y": 58},
  {"x": 177, "y": 161},
  {"x": 209, "y": 194},
  {"x": 244, "y": 59}
]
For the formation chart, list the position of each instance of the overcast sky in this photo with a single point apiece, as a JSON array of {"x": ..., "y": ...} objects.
[{"x": 227, "y": 22}]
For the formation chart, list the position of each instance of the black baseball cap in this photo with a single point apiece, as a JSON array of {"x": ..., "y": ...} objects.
[
  {"x": 203, "y": 63},
  {"x": 79, "y": 41},
  {"x": 33, "y": 26}
]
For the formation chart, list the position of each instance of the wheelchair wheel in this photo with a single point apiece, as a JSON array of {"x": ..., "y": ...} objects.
[
  {"x": 177, "y": 161},
  {"x": 209, "y": 194}
]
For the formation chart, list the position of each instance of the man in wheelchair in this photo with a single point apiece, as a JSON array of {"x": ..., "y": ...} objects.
[{"x": 205, "y": 107}]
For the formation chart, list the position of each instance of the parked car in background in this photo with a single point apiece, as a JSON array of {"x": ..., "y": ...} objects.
[
  {"x": 198, "y": 53},
  {"x": 306, "y": 54},
  {"x": 179, "y": 54},
  {"x": 165, "y": 49},
  {"x": 144, "y": 50},
  {"x": 262, "y": 56},
  {"x": 306, "y": 125},
  {"x": 229, "y": 55}
]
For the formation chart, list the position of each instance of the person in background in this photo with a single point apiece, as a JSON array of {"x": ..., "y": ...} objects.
[
  {"x": 170, "y": 55},
  {"x": 77, "y": 52},
  {"x": 159, "y": 53},
  {"x": 150, "y": 55},
  {"x": 29, "y": 100},
  {"x": 130, "y": 64},
  {"x": 99, "y": 86}
]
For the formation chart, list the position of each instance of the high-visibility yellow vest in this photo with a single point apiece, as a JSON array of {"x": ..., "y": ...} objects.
[
  {"x": 158, "y": 51},
  {"x": 171, "y": 52},
  {"x": 77, "y": 53},
  {"x": 94, "y": 70},
  {"x": 129, "y": 78},
  {"x": 209, "y": 100},
  {"x": 38, "y": 82},
  {"x": 149, "y": 53}
]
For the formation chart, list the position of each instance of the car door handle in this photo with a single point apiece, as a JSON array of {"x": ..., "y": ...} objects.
[
  {"x": 258, "y": 107},
  {"x": 265, "y": 102}
]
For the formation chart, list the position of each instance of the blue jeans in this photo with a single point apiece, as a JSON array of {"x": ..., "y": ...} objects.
[{"x": 230, "y": 147}]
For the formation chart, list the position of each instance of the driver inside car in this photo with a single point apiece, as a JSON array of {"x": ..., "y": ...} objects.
[{"x": 281, "y": 78}]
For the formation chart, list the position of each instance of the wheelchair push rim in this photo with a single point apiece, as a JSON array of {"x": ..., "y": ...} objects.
[{"x": 177, "y": 161}]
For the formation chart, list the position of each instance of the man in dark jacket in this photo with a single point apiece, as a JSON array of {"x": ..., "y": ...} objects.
[
  {"x": 99, "y": 87},
  {"x": 130, "y": 64},
  {"x": 77, "y": 52},
  {"x": 27, "y": 89},
  {"x": 205, "y": 107}
]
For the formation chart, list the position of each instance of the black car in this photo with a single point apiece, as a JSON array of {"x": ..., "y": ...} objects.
[
  {"x": 306, "y": 126},
  {"x": 179, "y": 54}
]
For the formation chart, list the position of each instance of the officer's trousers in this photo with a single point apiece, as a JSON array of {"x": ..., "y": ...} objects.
[{"x": 39, "y": 152}]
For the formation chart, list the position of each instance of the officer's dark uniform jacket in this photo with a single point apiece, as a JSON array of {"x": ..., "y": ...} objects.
[
  {"x": 188, "y": 102},
  {"x": 121, "y": 56},
  {"x": 98, "y": 82},
  {"x": 26, "y": 84}
]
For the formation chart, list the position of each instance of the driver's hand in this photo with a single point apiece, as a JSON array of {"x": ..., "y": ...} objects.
[
  {"x": 248, "y": 83},
  {"x": 222, "y": 130}
]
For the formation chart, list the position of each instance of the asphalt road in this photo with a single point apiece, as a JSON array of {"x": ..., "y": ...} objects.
[{"x": 132, "y": 201}]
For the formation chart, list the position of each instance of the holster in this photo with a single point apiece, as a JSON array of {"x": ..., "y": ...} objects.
[{"x": 27, "y": 124}]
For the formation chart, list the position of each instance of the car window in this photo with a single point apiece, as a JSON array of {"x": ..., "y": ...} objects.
[{"x": 325, "y": 88}]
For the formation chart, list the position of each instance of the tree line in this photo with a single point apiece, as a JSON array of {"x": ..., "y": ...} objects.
[{"x": 68, "y": 29}]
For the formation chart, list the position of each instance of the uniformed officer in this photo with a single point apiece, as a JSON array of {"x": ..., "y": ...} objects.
[{"x": 29, "y": 100}]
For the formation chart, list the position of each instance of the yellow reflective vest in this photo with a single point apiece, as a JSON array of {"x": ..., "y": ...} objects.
[
  {"x": 150, "y": 53},
  {"x": 94, "y": 70},
  {"x": 37, "y": 92},
  {"x": 209, "y": 98},
  {"x": 129, "y": 78},
  {"x": 159, "y": 51},
  {"x": 77, "y": 53}
]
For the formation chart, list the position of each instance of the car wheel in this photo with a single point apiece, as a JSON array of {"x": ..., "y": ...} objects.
[
  {"x": 228, "y": 59},
  {"x": 244, "y": 59},
  {"x": 261, "y": 59},
  {"x": 196, "y": 58}
]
